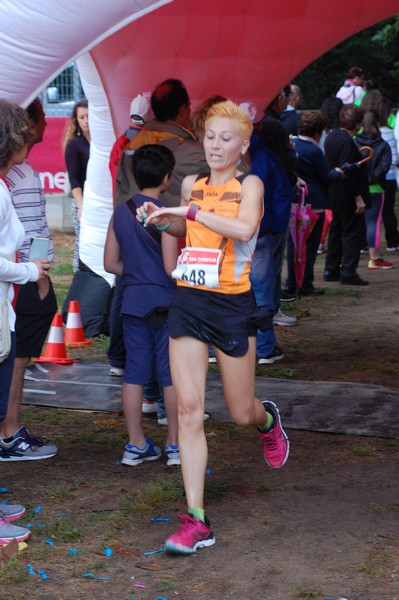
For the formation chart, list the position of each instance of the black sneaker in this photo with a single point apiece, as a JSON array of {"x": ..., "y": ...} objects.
[
  {"x": 287, "y": 295},
  {"x": 277, "y": 354},
  {"x": 331, "y": 276},
  {"x": 353, "y": 280},
  {"x": 311, "y": 291}
]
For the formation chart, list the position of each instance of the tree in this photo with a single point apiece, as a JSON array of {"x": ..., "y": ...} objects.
[{"x": 375, "y": 50}]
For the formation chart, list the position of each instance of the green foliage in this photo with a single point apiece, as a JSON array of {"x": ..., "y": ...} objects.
[
  {"x": 12, "y": 571},
  {"x": 375, "y": 50}
]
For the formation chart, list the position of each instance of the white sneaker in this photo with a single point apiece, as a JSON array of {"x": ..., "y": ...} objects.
[
  {"x": 284, "y": 320},
  {"x": 149, "y": 407},
  {"x": 116, "y": 372},
  {"x": 212, "y": 360}
]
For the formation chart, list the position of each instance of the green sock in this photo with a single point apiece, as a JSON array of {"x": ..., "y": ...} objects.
[
  {"x": 269, "y": 423},
  {"x": 197, "y": 513}
]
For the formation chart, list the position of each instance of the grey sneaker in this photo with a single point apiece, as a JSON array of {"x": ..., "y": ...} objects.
[
  {"x": 133, "y": 456},
  {"x": 172, "y": 452},
  {"x": 284, "y": 320},
  {"x": 9, "y": 532},
  {"x": 10, "y": 512},
  {"x": 24, "y": 446}
]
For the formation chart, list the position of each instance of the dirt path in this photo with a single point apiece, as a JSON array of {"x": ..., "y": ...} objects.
[{"x": 324, "y": 526}]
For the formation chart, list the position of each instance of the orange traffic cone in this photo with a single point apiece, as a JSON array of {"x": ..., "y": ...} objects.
[
  {"x": 55, "y": 349},
  {"x": 74, "y": 333}
]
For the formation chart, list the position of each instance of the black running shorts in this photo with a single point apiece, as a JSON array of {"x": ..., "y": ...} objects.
[
  {"x": 223, "y": 320},
  {"x": 34, "y": 318}
]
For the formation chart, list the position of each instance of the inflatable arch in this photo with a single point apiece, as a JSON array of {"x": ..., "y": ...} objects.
[{"x": 243, "y": 50}]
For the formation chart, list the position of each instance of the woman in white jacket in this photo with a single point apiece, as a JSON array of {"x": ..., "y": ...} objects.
[
  {"x": 352, "y": 90},
  {"x": 15, "y": 134}
]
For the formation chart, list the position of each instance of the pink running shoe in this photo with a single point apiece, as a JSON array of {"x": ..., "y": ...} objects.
[
  {"x": 276, "y": 446},
  {"x": 192, "y": 534}
]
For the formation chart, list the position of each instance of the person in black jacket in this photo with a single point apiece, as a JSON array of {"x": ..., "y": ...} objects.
[
  {"x": 348, "y": 199},
  {"x": 311, "y": 167},
  {"x": 290, "y": 115}
]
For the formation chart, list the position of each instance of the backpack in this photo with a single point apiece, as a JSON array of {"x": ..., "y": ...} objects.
[{"x": 379, "y": 165}]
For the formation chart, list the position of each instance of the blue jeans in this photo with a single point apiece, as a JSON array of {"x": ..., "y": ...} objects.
[{"x": 265, "y": 279}]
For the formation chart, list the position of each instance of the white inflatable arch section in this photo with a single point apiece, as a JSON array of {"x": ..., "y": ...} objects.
[{"x": 97, "y": 201}]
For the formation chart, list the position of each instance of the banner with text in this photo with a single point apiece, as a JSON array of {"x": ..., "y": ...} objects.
[{"x": 48, "y": 158}]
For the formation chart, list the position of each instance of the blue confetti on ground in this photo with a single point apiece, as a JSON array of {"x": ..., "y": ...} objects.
[
  {"x": 42, "y": 574},
  {"x": 153, "y": 552}
]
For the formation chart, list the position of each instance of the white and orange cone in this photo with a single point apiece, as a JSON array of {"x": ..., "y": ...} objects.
[
  {"x": 74, "y": 333},
  {"x": 55, "y": 348}
]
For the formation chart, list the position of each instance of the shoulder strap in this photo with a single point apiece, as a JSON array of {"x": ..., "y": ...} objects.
[
  {"x": 201, "y": 176},
  {"x": 151, "y": 230},
  {"x": 241, "y": 178}
]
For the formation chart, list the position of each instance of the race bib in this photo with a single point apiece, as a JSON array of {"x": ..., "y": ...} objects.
[{"x": 198, "y": 266}]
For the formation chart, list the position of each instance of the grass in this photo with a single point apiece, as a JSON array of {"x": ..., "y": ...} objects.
[
  {"x": 64, "y": 532},
  {"x": 151, "y": 496},
  {"x": 62, "y": 270},
  {"x": 277, "y": 372},
  {"x": 365, "y": 450},
  {"x": 63, "y": 493},
  {"x": 303, "y": 592},
  {"x": 12, "y": 572}
]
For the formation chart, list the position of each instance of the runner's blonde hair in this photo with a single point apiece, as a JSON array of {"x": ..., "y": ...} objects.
[{"x": 230, "y": 110}]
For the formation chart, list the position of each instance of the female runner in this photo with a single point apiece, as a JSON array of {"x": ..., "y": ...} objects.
[{"x": 214, "y": 304}]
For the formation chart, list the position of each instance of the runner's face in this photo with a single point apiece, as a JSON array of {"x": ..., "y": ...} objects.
[{"x": 223, "y": 143}]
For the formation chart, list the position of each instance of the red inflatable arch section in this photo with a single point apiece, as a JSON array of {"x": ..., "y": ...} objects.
[{"x": 242, "y": 50}]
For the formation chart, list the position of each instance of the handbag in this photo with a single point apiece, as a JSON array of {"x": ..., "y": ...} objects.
[{"x": 5, "y": 333}]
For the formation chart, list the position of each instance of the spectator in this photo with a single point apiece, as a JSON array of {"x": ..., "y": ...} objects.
[
  {"x": 348, "y": 199},
  {"x": 352, "y": 90},
  {"x": 390, "y": 186},
  {"x": 276, "y": 137},
  {"x": 140, "y": 112},
  {"x": 290, "y": 115},
  {"x": 76, "y": 144},
  {"x": 265, "y": 274},
  {"x": 278, "y": 141},
  {"x": 36, "y": 304},
  {"x": 312, "y": 168},
  {"x": 15, "y": 135},
  {"x": 330, "y": 109},
  {"x": 171, "y": 106},
  {"x": 377, "y": 168},
  {"x": 144, "y": 258}
]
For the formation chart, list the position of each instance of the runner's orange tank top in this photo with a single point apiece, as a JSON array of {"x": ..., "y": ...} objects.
[{"x": 236, "y": 256}]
